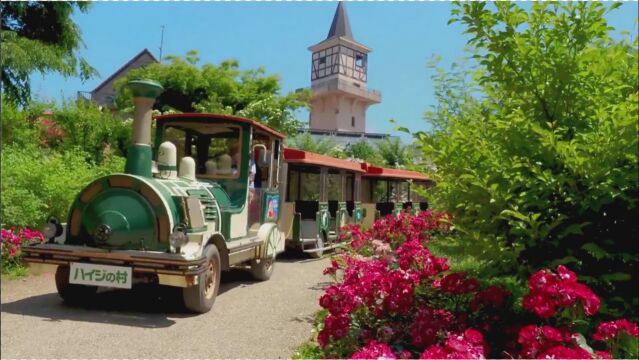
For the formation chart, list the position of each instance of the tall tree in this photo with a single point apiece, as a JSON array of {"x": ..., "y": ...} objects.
[
  {"x": 223, "y": 88},
  {"x": 39, "y": 36}
]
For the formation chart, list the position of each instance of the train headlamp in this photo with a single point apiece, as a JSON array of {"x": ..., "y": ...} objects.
[
  {"x": 178, "y": 237},
  {"x": 52, "y": 228}
]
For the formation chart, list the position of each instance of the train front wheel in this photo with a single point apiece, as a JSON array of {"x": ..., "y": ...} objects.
[
  {"x": 200, "y": 298},
  {"x": 72, "y": 294}
]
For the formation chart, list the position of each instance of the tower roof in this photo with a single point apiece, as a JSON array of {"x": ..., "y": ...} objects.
[{"x": 340, "y": 26}]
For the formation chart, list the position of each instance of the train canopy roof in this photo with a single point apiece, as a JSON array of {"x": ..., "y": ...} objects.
[
  {"x": 396, "y": 174},
  {"x": 296, "y": 156},
  {"x": 203, "y": 116}
]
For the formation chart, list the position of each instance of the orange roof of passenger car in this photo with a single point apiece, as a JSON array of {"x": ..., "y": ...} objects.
[
  {"x": 253, "y": 123},
  {"x": 297, "y": 156},
  {"x": 376, "y": 171}
]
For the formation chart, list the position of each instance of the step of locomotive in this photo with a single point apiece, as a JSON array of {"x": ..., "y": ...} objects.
[{"x": 243, "y": 250}]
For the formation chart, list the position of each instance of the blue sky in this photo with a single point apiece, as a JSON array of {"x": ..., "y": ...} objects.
[{"x": 403, "y": 36}]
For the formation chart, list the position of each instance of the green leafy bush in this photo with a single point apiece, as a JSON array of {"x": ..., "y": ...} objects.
[
  {"x": 37, "y": 184},
  {"x": 73, "y": 125},
  {"x": 20, "y": 126},
  {"x": 536, "y": 146},
  {"x": 98, "y": 133}
]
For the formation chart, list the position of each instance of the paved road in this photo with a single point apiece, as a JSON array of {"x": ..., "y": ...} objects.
[{"x": 249, "y": 319}]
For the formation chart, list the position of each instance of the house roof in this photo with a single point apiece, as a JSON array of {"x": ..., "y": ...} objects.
[
  {"x": 340, "y": 27},
  {"x": 124, "y": 67},
  {"x": 191, "y": 116},
  {"x": 297, "y": 156}
]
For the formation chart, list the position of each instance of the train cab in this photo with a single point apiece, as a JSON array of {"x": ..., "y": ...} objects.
[
  {"x": 323, "y": 194},
  {"x": 238, "y": 158},
  {"x": 388, "y": 191}
]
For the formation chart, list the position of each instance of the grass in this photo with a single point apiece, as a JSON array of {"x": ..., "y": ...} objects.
[
  {"x": 14, "y": 272},
  {"x": 309, "y": 350}
]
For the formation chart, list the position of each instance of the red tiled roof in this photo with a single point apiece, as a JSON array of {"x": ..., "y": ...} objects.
[
  {"x": 381, "y": 172},
  {"x": 309, "y": 158}
]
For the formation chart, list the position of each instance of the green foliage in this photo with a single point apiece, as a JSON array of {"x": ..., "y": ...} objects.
[
  {"x": 13, "y": 272},
  {"x": 308, "y": 351},
  {"x": 73, "y": 125},
  {"x": 362, "y": 150},
  {"x": 37, "y": 184},
  {"x": 536, "y": 146},
  {"x": 325, "y": 146},
  {"x": 100, "y": 134},
  {"x": 20, "y": 126},
  {"x": 39, "y": 36},
  {"x": 394, "y": 154},
  {"x": 222, "y": 88}
]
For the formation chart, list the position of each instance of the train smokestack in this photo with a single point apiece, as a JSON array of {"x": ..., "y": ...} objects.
[{"x": 139, "y": 156}]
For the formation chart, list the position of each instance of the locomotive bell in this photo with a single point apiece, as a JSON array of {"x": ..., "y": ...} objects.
[{"x": 138, "y": 160}]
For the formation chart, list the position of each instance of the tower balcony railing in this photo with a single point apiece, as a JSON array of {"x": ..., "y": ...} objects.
[{"x": 342, "y": 85}]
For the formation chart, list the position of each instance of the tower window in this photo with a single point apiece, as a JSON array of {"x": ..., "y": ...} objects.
[
  {"x": 322, "y": 60},
  {"x": 359, "y": 60},
  {"x": 353, "y": 121}
]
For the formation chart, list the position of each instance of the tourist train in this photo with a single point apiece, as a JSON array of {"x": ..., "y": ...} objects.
[{"x": 210, "y": 192}]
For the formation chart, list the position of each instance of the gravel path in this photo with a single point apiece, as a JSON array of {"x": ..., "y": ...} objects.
[{"x": 249, "y": 319}]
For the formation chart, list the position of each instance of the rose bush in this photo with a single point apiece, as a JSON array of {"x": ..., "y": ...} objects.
[
  {"x": 11, "y": 244},
  {"x": 392, "y": 298}
]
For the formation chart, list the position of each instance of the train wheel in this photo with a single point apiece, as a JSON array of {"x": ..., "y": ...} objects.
[
  {"x": 200, "y": 298},
  {"x": 262, "y": 269},
  {"x": 72, "y": 294},
  {"x": 319, "y": 243}
]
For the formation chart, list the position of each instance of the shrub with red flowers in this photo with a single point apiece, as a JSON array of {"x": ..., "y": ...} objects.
[
  {"x": 12, "y": 242},
  {"x": 392, "y": 298},
  {"x": 51, "y": 133}
]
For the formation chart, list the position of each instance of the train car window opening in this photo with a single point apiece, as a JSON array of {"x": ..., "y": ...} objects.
[
  {"x": 357, "y": 187},
  {"x": 380, "y": 191},
  {"x": 309, "y": 184},
  {"x": 367, "y": 190},
  {"x": 216, "y": 148},
  {"x": 274, "y": 164},
  {"x": 323, "y": 193},
  {"x": 293, "y": 186},
  {"x": 276, "y": 149},
  {"x": 333, "y": 186},
  {"x": 349, "y": 180}
]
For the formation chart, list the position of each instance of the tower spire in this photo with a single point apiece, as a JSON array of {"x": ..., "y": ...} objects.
[{"x": 340, "y": 26}]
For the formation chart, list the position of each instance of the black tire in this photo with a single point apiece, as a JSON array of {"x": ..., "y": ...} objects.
[
  {"x": 262, "y": 269},
  {"x": 72, "y": 294},
  {"x": 319, "y": 243},
  {"x": 201, "y": 297}
]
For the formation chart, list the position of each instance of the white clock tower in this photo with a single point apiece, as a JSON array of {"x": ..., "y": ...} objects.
[{"x": 339, "y": 80}]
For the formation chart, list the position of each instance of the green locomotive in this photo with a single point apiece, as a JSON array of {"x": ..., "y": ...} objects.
[{"x": 177, "y": 224}]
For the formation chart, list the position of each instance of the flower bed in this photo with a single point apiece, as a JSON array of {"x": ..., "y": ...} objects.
[
  {"x": 392, "y": 298},
  {"x": 11, "y": 244}
]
